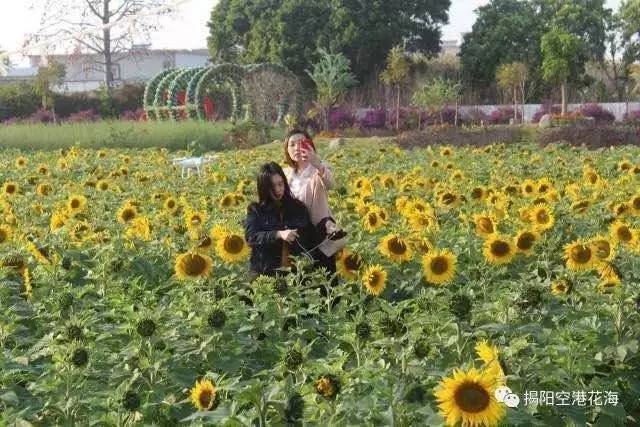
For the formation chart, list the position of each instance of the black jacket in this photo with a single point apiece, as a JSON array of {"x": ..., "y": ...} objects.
[{"x": 261, "y": 226}]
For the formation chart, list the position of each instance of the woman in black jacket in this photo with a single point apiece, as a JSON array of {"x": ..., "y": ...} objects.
[{"x": 278, "y": 225}]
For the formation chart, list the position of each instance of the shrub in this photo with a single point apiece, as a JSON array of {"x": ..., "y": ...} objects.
[
  {"x": 632, "y": 117},
  {"x": 592, "y": 137},
  {"x": 40, "y": 116},
  {"x": 473, "y": 116},
  {"x": 136, "y": 115},
  {"x": 83, "y": 116},
  {"x": 18, "y": 100},
  {"x": 597, "y": 112},
  {"x": 459, "y": 136},
  {"x": 501, "y": 116},
  {"x": 375, "y": 119},
  {"x": 68, "y": 104},
  {"x": 341, "y": 119},
  {"x": 546, "y": 108}
]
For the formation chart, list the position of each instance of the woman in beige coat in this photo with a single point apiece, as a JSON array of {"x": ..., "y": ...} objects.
[{"x": 310, "y": 179}]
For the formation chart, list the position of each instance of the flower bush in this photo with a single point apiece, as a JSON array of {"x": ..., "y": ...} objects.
[
  {"x": 341, "y": 119},
  {"x": 83, "y": 116},
  {"x": 599, "y": 114},
  {"x": 373, "y": 119},
  {"x": 546, "y": 108}
]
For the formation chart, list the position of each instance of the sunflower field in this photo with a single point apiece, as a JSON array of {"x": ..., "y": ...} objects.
[{"x": 125, "y": 298}]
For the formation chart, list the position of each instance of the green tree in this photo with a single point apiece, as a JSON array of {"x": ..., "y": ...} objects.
[
  {"x": 504, "y": 31},
  {"x": 51, "y": 75},
  {"x": 5, "y": 64},
  {"x": 289, "y": 32},
  {"x": 560, "y": 51},
  {"x": 434, "y": 96},
  {"x": 333, "y": 78},
  {"x": 395, "y": 73},
  {"x": 513, "y": 78},
  {"x": 630, "y": 23}
]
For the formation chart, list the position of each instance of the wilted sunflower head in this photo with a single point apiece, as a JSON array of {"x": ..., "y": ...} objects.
[
  {"x": 327, "y": 385},
  {"x": 484, "y": 224},
  {"x": 349, "y": 264}
]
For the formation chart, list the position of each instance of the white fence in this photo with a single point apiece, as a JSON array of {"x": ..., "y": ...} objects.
[{"x": 618, "y": 109}]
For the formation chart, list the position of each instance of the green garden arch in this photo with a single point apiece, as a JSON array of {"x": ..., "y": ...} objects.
[{"x": 254, "y": 89}]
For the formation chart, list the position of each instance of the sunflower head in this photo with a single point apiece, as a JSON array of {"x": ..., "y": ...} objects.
[
  {"x": 396, "y": 248},
  {"x": 468, "y": 397},
  {"x": 374, "y": 279},
  {"x": 498, "y": 250},
  {"x": 579, "y": 256},
  {"x": 327, "y": 386},
  {"x": 193, "y": 265},
  {"x": 525, "y": 240},
  {"x": 231, "y": 247},
  {"x": 622, "y": 233},
  {"x": 561, "y": 287},
  {"x": 485, "y": 225},
  {"x": 439, "y": 266},
  {"x": 349, "y": 264},
  {"x": 204, "y": 395}
]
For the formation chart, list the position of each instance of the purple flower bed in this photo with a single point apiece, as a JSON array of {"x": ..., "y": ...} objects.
[
  {"x": 40, "y": 116},
  {"x": 597, "y": 112},
  {"x": 546, "y": 108},
  {"x": 341, "y": 119},
  {"x": 373, "y": 119},
  {"x": 502, "y": 116}
]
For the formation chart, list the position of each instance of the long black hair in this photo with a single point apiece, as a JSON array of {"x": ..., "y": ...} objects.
[{"x": 264, "y": 186}]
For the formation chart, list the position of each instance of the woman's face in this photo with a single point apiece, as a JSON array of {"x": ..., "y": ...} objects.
[
  {"x": 277, "y": 186},
  {"x": 294, "y": 147}
]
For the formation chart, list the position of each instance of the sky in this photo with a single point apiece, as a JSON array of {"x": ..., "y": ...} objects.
[{"x": 188, "y": 28}]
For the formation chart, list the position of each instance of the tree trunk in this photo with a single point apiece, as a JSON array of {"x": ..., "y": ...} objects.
[
  {"x": 326, "y": 118},
  {"x": 106, "y": 39},
  {"x": 398, "y": 110},
  {"x": 563, "y": 91},
  {"x": 515, "y": 106},
  {"x": 455, "y": 120}
]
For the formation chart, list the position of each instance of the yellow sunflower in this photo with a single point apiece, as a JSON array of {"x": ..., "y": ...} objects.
[
  {"x": 622, "y": 233},
  {"x": 76, "y": 204},
  {"x": 43, "y": 189},
  {"x": 422, "y": 221},
  {"x": 140, "y": 228},
  {"x": 580, "y": 206},
  {"x": 485, "y": 225},
  {"x": 372, "y": 221},
  {"x": 5, "y": 234},
  {"x": 439, "y": 266},
  {"x": 42, "y": 169},
  {"x": 192, "y": 265},
  {"x": 127, "y": 213},
  {"x": 203, "y": 395},
  {"x": 561, "y": 287},
  {"x": 605, "y": 248},
  {"x": 21, "y": 162},
  {"x": 498, "y": 250},
  {"x": 469, "y": 397},
  {"x": 609, "y": 285},
  {"x": 395, "y": 248},
  {"x": 579, "y": 255},
  {"x": 231, "y": 247},
  {"x": 525, "y": 240},
  {"x": 194, "y": 219},
  {"x": 40, "y": 254},
  {"x": 374, "y": 279},
  {"x": 529, "y": 187},
  {"x": 227, "y": 201},
  {"x": 349, "y": 264},
  {"x": 10, "y": 188},
  {"x": 541, "y": 217},
  {"x": 58, "y": 220},
  {"x": 170, "y": 205},
  {"x": 635, "y": 204},
  {"x": 102, "y": 185},
  {"x": 486, "y": 352}
]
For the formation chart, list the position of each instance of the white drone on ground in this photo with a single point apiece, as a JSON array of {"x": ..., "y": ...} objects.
[{"x": 189, "y": 164}]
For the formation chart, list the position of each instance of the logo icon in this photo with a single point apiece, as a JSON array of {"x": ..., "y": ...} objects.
[{"x": 504, "y": 395}]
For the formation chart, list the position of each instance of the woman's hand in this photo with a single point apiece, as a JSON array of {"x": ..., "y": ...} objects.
[
  {"x": 311, "y": 157},
  {"x": 287, "y": 235}
]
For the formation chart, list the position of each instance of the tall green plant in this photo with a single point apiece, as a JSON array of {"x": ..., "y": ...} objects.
[
  {"x": 333, "y": 78},
  {"x": 512, "y": 78},
  {"x": 395, "y": 73},
  {"x": 434, "y": 96},
  {"x": 559, "y": 53},
  {"x": 47, "y": 77}
]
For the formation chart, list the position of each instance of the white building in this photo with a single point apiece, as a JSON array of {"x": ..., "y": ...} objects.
[{"x": 83, "y": 71}]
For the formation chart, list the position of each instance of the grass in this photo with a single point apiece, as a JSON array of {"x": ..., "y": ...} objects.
[{"x": 192, "y": 136}]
